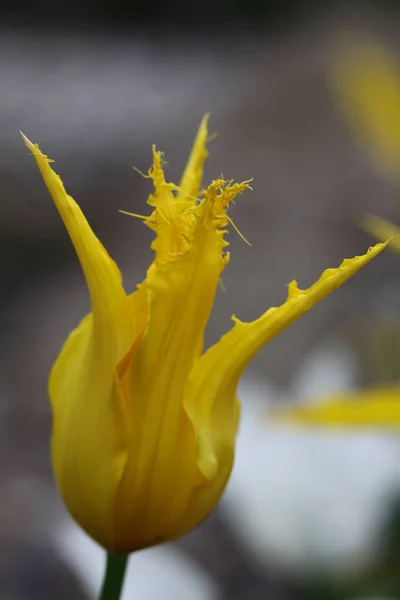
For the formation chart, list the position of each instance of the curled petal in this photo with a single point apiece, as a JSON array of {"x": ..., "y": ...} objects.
[
  {"x": 102, "y": 274},
  {"x": 90, "y": 412},
  {"x": 210, "y": 395}
]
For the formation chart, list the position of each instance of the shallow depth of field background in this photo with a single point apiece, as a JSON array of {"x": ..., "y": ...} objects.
[{"x": 307, "y": 515}]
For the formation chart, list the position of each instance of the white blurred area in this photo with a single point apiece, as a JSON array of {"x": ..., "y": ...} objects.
[
  {"x": 161, "y": 573},
  {"x": 310, "y": 501}
]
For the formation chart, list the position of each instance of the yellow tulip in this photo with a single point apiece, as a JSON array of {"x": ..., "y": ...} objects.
[{"x": 144, "y": 421}]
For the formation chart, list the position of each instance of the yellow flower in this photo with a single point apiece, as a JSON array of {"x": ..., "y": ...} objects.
[
  {"x": 366, "y": 83},
  {"x": 144, "y": 420},
  {"x": 373, "y": 408}
]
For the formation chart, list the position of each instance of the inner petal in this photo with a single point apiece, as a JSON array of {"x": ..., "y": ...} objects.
[{"x": 162, "y": 462}]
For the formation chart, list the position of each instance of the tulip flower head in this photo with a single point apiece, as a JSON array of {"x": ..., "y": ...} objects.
[{"x": 145, "y": 420}]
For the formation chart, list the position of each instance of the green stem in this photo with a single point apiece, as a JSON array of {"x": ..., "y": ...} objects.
[{"x": 114, "y": 576}]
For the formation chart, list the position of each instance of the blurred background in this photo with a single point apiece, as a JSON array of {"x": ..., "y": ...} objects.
[{"x": 307, "y": 514}]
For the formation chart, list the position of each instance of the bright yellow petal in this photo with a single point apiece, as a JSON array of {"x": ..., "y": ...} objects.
[
  {"x": 90, "y": 412},
  {"x": 180, "y": 294},
  {"x": 366, "y": 80},
  {"x": 210, "y": 395},
  {"x": 191, "y": 179},
  {"x": 374, "y": 408},
  {"x": 102, "y": 274},
  {"x": 89, "y": 437}
]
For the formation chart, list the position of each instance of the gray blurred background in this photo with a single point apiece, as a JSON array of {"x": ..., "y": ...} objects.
[{"x": 96, "y": 84}]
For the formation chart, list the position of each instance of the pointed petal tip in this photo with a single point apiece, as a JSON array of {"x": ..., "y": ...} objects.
[
  {"x": 203, "y": 127},
  {"x": 206, "y": 117},
  {"x": 378, "y": 248},
  {"x": 375, "y": 250},
  {"x": 30, "y": 145},
  {"x": 34, "y": 148}
]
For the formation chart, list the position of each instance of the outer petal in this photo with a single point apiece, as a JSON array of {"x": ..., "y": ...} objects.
[
  {"x": 210, "y": 399},
  {"x": 373, "y": 408},
  {"x": 102, "y": 274},
  {"x": 89, "y": 441}
]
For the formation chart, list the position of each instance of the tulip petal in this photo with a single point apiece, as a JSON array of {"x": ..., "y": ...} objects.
[
  {"x": 92, "y": 419},
  {"x": 210, "y": 395},
  {"x": 89, "y": 408},
  {"x": 193, "y": 174},
  {"x": 90, "y": 435},
  {"x": 181, "y": 287},
  {"x": 102, "y": 274},
  {"x": 374, "y": 408}
]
